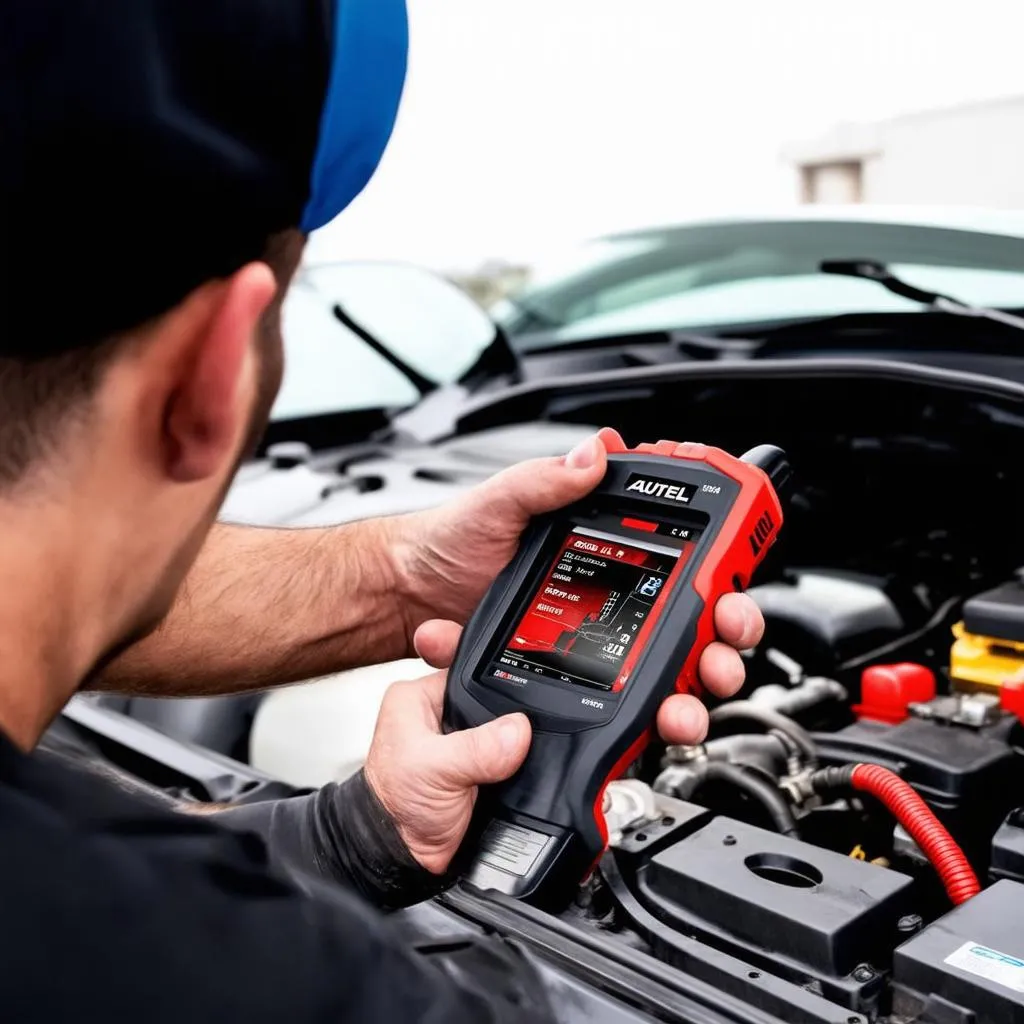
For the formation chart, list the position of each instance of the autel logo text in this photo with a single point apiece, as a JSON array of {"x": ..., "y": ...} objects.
[{"x": 654, "y": 487}]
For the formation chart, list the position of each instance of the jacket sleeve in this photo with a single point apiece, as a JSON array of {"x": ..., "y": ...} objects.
[
  {"x": 343, "y": 834},
  {"x": 168, "y": 920}
]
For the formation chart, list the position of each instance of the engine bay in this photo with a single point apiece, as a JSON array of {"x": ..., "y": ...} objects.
[
  {"x": 756, "y": 864},
  {"x": 787, "y": 860},
  {"x": 752, "y": 844},
  {"x": 847, "y": 845}
]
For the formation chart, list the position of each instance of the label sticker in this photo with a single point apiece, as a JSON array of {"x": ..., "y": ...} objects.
[
  {"x": 511, "y": 848},
  {"x": 979, "y": 960}
]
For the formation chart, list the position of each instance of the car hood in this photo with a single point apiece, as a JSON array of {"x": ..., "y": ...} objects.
[{"x": 362, "y": 481}]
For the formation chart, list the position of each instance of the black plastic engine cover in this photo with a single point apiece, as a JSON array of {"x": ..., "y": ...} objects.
[
  {"x": 967, "y": 967},
  {"x": 824, "y": 618},
  {"x": 998, "y": 613},
  {"x": 817, "y": 909}
]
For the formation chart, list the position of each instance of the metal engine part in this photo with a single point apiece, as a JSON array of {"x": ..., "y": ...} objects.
[
  {"x": 973, "y": 710},
  {"x": 628, "y": 804},
  {"x": 684, "y": 765},
  {"x": 791, "y": 700}
]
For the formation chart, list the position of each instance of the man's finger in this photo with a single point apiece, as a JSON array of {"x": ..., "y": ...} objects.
[
  {"x": 542, "y": 485},
  {"x": 435, "y": 642},
  {"x": 433, "y": 687},
  {"x": 611, "y": 439},
  {"x": 738, "y": 621},
  {"x": 682, "y": 720},
  {"x": 721, "y": 669},
  {"x": 412, "y": 706},
  {"x": 489, "y": 753}
]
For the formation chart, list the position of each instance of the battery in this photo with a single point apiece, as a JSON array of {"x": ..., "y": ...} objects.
[
  {"x": 968, "y": 965},
  {"x": 989, "y": 642}
]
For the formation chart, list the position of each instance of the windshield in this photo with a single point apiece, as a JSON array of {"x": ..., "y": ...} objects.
[
  {"x": 422, "y": 319},
  {"x": 327, "y": 369},
  {"x": 715, "y": 275}
]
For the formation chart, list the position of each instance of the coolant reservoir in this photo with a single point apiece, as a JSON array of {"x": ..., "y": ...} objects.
[
  {"x": 989, "y": 645},
  {"x": 319, "y": 732}
]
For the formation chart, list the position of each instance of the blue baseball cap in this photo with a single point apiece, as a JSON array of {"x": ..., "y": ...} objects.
[
  {"x": 151, "y": 145},
  {"x": 371, "y": 43}
]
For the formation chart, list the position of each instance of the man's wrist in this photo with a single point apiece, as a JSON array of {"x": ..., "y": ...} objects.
[
  {"x": 382, "y": 549},
  {"x": 342, "y": 833},
  {"x": 401, "y": 555},
  {"x": 358, "y": 843}
]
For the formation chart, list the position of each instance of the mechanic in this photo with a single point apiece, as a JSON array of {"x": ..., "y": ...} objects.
[{"x": 155, "y": 191}]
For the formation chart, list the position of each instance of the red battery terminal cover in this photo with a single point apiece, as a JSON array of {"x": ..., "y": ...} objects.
[
  {"x": 1011, "y": 697},
  {"x": 887, "y": 691}
]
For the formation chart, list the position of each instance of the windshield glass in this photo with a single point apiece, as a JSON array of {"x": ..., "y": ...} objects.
[
  {"x": 422, "y": 319},
  {"x": 708, "y": 276},
  {"x": 327, "y": 369}
]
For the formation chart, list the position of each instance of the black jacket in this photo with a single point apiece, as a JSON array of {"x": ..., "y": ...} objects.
[{"x": 116, "y": 909}]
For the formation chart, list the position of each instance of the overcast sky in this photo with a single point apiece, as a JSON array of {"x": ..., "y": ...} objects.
[{"x": 530, "y": 122}]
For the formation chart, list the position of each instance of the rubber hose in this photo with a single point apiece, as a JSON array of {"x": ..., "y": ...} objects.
[
  {"x": 927, "y": 831},
  {"x": 744, "y": 711},
  {"x": 914, "y": 815},
  {"x": 763, "y": 792},
  {"x": 748, "y": 748}
]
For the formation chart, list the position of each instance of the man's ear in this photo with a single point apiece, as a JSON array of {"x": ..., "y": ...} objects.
[{"x": 208, "y": 410}]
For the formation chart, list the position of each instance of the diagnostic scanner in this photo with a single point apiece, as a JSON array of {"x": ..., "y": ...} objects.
[{"x": 602, "y": 613}]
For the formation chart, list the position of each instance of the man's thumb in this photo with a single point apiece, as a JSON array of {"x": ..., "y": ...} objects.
[
  {"x": 543, "y": 485},
  {"x": 489, "y": 753}
]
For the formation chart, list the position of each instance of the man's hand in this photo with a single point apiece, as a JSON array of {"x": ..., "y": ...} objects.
[
  {"x": 427, "y": 780},
  {"x": 445, "y": 558}
]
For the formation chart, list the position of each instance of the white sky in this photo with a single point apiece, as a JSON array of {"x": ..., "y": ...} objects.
[{"x": 530, "y": 122}]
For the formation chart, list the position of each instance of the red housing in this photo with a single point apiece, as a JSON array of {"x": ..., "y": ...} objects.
[{"x": 742, "y": 541}]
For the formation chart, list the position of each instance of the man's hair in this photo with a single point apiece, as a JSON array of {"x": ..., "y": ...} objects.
[{"x": 43, "y": 399}]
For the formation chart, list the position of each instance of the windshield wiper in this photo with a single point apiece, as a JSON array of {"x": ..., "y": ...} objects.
[
  {"x": 540, "y": 317},
  {"x": 422, "y": 384},
  {"x": 871, "y": 270}
]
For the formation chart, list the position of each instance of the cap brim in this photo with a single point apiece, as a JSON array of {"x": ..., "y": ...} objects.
[{"x": 368, "y": 66}]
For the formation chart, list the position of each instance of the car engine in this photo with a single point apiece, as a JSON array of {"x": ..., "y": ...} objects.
[
  {"x": 759, "y": 845},
  {"x": 847, "y": 845},
  {"x": 754, "y": 843}
]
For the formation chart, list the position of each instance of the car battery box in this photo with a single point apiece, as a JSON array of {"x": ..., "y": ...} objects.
[
  {"x": 968, "y": 966},
  {"x": 989, "y": 641}
]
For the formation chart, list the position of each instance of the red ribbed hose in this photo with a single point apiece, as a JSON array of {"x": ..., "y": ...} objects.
[{"x": 927, "y": 831}]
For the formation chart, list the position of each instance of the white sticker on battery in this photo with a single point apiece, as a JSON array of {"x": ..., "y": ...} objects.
[{"x": 988, "y": 963}]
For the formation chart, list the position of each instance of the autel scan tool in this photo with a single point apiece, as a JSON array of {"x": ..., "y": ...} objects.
[{"x": 602, "y": 613}]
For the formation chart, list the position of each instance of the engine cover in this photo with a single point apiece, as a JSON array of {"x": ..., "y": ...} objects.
[
  {"x": 805, "y": 911},
  {"x": 823, "y": 618}
]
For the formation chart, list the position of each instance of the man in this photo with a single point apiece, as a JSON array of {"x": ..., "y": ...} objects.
[{"x": 155, "y": 189}]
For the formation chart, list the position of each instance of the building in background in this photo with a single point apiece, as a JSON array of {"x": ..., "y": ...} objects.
[
  {"x": 492, "y": 280},
  {"x": 969, "y": 155}
]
